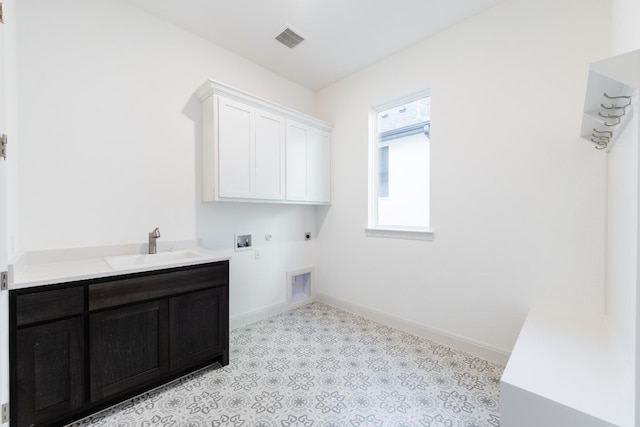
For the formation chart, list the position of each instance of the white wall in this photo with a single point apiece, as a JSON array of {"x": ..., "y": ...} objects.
[
  {"x": 622, "y": 245},
  {"x": 625, "y": 30},
  {"x": 259, "y": 284},
  {"x": 623, "y": 273},
  {"x": 517, "y": 197},
  {"x": 110, "y": 134}
]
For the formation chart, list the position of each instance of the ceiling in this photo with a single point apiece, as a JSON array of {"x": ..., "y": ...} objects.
[{"x": 341, "y": 36}]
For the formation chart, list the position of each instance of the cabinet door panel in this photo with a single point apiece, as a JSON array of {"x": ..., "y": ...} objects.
[
  {"x": 318, "y": 166},
  {"x": 49, "y": 371},
  {"x": 235, "y": 147},
  {"x": 308, "y": 164},
  {"x": 128, "y": 347},
  {"x": 296, "y": 162},
  {"x": 269, "y": 156},
  {"x": 197, "y": 327}
]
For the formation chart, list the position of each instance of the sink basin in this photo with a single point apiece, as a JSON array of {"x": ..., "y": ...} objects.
[{"x": 141, "y": 260}]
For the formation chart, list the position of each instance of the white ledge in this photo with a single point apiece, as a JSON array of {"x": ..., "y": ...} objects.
[
  {"x": 400, "y": 233},
  {"x": 563, "y": 371}
]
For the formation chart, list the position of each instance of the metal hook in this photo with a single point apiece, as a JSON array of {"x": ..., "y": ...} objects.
[
  {"x": 613, "y": 116},
  {"x": 612, "y": 124},
  {"x": 603, "y": 131},
  {"x": 616, "y": 97},
  {"x": 600, "y": 145},
  {"x": 616, "y": 107}
]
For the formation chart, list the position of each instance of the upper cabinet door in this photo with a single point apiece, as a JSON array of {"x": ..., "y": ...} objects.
[
  {"x": 269, "y": 156},
  {"x": 250, "y": 151},
  {"x": 297, "y": 135},
  {"x": 308, "y": 164},
  {"x": 235, "y": 129},
  {"x": 319, "y": 166}
]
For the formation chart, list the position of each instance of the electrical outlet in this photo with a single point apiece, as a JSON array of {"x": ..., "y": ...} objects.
[{"x": 307, "y": 235}]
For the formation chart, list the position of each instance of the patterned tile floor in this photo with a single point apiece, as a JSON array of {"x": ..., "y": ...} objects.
[{"x": 322, "y": 367}]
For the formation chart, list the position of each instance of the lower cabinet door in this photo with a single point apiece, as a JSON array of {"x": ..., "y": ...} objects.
[
  {"x": 197, "y": 327},
  {"x": 49, "y": 372},
  {"x": 128, "y": 348}
]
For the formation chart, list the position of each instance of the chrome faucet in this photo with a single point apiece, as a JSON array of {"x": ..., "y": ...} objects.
[{"x": 153, "y": 236}]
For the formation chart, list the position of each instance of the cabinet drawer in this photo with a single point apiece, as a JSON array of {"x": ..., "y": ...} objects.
[
  {"x": 48, "y": 305},
  {"x": 156, "y": 285}
]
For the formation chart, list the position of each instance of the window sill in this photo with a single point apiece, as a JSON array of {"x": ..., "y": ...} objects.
[{"x": 400, "y": 233}]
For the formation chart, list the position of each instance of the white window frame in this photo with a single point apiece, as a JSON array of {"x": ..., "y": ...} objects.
[{"x": 374, "y": 229}]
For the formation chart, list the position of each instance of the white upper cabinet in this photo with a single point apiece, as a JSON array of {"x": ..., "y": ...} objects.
[
  {"x": 254, "y": 150},
  {"x": 308, "y": 164},
  {"x": 251, "y": 150}
]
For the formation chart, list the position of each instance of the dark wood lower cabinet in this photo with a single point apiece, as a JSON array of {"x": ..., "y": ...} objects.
[
  {"x": 49, "y": 372},
  {"x": 190, "y": 342},
  {"x": 99, "y": 341},
  {"x": 129, "y": 347}
]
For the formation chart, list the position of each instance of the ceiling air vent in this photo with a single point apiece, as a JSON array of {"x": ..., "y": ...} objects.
[{"x": 289, "y": 38}]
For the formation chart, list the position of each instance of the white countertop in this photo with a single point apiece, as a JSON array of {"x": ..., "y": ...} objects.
[{"x": 49, "y": 267}]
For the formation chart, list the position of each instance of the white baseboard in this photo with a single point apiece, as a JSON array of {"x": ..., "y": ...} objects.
[
  {"x": 488, "y": 352},
  {"x": 256, "y": 315}
]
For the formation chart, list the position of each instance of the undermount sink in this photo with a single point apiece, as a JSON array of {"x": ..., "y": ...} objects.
[{"x": 140, "y": 260}]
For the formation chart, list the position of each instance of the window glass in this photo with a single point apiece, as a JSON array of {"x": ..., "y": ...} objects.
[
  {"x": 399, "y": 197},
  {"x": 383, "y": 172}
]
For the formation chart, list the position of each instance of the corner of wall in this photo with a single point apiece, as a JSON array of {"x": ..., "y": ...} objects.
[{"x": 625, "y": 31}]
